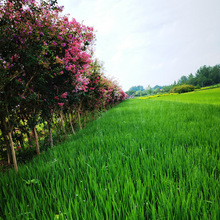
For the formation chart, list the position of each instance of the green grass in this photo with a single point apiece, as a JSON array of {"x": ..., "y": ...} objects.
[
  {"x": 211, "y": 96},
  {"x": 143, "y": 159}
]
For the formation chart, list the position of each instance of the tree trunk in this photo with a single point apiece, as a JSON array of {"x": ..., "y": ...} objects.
[
  {"x": 57, "y": 131},
  {"x": 36, "y": 141},
  {"x": 50, "y": 134},
  {"x": 7, "y": 146},
  {"x": 87, "y": 118},
  {"x": 80, "y": 126},
  {"x": 8, "y": 154},
  {"x": 83, "y": 118},
  {"x": 74, "y": 117},
  {"x": 64, "y": 130},
  {"x": 13, "y": 152},
  {"x": 71, "y": 124},
  {"x": 4, "y": 134}
]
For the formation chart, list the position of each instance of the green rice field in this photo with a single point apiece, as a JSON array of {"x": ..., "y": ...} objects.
[{"x": 143, "y": 159}]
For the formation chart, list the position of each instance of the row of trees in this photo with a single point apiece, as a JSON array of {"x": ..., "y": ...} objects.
[
  {"x": 140, "y": 91},
  {"x": 204, "y": 76},
  {"x": 48, "y": 73}
]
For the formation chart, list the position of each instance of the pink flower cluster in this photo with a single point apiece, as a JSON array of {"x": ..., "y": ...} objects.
[
  {"x": 64, "y": 95},
  {"x": 60, "y": 52},
  {"x": 82, "y": 83}
]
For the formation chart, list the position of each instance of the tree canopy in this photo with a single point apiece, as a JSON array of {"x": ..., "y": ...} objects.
[{"x": 47, "y": 71}]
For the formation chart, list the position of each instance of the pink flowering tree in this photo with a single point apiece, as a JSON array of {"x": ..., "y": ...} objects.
[
  {"x": 46, "y": 71},
  {"x": 95, "y": 89},
  {"x": 101, "y": 92},
  {"x": 40, "y": 52}
]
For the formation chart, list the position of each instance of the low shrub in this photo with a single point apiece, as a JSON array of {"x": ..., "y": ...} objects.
[{"x": 182, "y": 89}]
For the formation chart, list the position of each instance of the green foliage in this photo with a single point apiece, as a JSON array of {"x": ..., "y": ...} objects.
[
  {"x": 205, "y": 76},
  {"x": 130, "y": 92},
  {"x": 144, "y": 159},
  {"x": 197, "y": 87},
  {"x": 46, "y": 71},
  {"x": 137, "y": 88},
  {"x": 182, "y": 89},
  {"x": 142, "y": 92},
  {"x": 166, "y": 89}
]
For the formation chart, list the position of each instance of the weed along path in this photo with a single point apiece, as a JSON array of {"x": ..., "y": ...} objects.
[{"x": 143, "y": 159}]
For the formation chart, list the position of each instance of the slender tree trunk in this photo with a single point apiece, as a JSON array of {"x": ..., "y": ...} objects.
[
  {"x": 64, "y": 130},
  {"x": 51, "y": 138},
  {"x": 7, "y": 146},
  {"x": 57, "y": 131},
  {"x": 87, "y": 118},
  {"x": 71, "y": 124},
  {"x": 9, "y": 154},
  {"x": 50, "y": 134},
  {"x": 28, "y": 137},
  {"x": 83, "y": 119},
  {"x": 13, "y": 152},
  {"x": 36, "y": 141},
  {"x": 80, "y": 126},
  {"x": 7, "y": 143},
  {"x": 74, "y": 117}
]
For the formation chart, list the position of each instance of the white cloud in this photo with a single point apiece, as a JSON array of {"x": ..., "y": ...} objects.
[{"x": 144, "y": 42}]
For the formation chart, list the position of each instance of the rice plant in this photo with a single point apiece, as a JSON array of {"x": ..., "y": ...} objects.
[{"x": 143, "y": 159}]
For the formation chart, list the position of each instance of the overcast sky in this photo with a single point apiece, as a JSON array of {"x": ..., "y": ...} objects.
[{"x": 151, "y": 42}]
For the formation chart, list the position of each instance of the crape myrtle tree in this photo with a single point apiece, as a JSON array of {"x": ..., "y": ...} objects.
[
  {"x": 93, "y": 98},
  {"x": 101, "y": 90},
  {"x": 46, "y": 71},
  {"x": 42, "y": 56}
]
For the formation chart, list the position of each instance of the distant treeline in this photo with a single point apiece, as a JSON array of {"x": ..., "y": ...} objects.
[{"x": 204, "y": 76}]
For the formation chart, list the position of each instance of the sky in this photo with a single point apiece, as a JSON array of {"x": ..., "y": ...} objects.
[{"x": 151, "y": 42}]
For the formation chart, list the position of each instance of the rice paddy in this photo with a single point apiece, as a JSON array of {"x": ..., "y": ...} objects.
[{"x": 144, "y": 159}]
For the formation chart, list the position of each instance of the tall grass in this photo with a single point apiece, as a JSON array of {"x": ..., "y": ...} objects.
[{"x": 143, "y": 159}]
